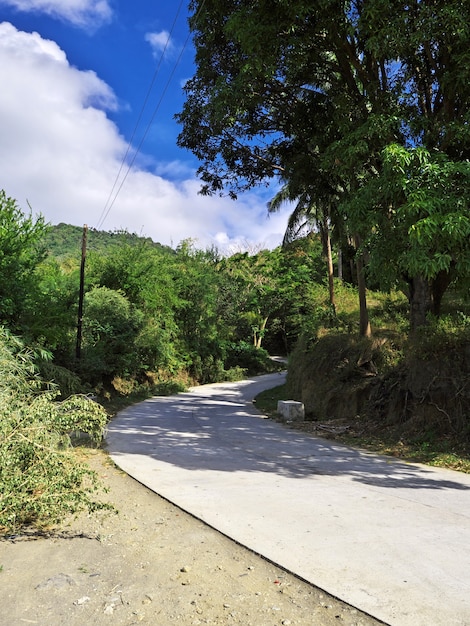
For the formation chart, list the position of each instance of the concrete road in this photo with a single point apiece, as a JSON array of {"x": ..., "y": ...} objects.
[{"x": 388, "y": 537}]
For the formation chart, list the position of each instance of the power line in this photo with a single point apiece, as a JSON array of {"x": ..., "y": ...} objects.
[
  {"x": 109, "y": 204},
  {"x": 132, "y": 161}
]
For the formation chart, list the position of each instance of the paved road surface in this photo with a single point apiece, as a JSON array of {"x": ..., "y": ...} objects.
[{"x": 389, "y": 537}]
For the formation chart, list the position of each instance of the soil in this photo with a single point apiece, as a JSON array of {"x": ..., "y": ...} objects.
[
  {"x": 417, "y": 392},
  {"x": 151, "y": 563}
]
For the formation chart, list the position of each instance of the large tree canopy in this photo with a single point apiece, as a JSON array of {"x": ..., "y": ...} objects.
[
  {"x": 314, "y": 94},
  {"x": 282, "y": 80}
]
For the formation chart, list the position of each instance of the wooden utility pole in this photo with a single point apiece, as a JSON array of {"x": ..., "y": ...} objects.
[{"x": 78, "y": 348}]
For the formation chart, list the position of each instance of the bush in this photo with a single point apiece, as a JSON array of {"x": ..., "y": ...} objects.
[
  {"x": 67, "y": 382},
  {"x": 41, "y": 481},
  {"x": 441, "y": 336},
  {"x": 249, "y": 358},
  {"x": 110, "y": 328},
  {"x": 207, "y": 369}
]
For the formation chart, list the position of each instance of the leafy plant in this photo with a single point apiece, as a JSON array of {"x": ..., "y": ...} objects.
[
  {"x": 65, "y": 381},
  {"x": 111, "y": 326},
  {"x": 246, "y": 356},
  {"x": 21, "y": 251},
  {"x": 41, "y": 481}
]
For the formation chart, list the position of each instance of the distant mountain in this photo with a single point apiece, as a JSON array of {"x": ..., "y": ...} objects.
[{"x": 65, "y": 241}]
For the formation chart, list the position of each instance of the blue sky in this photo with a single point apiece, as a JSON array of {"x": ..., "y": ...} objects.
[{"x": 74, "y": 75}]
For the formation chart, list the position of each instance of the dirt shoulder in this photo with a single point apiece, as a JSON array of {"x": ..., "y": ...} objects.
[{"x": 151, "y": 564}]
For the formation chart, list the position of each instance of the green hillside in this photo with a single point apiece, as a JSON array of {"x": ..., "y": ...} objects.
[{"x": 65, "y": 241}]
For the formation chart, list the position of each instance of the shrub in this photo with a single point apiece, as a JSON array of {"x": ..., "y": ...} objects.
[
  {"x": 249, "y": 358},
  {"x": 66, "y": 381},
  {"x": 441, "y": 336},
  {"x": 207, "y": 369},
  {"x": 41, "y": 481},
  {"x": 110, "y": 329}
]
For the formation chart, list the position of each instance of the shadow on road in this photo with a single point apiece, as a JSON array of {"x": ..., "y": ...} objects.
[{"x": 217, "y": 428}]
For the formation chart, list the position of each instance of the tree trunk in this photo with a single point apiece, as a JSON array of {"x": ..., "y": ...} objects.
[
  {"x": 439, "y": 286},
  {"x": 420, "y": 302},
  {"x": 340, "y": 263},
  {"x": 326, "y": 241},
  {"x": 364, "y": 324},
  {"x": 259, "y": 333},
  {"x": 331, "y": 283}
]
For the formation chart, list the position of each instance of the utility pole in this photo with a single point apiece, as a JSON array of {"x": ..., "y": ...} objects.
[{"x": 78, "y": 348}]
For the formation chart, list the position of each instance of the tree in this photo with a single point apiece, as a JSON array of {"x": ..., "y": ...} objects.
[
  {"x": 51, "y": 315},
  {"x": 143, "y": 274},
  {"x": 272, "y": 292},
  {"x": 301, "y": 289},
  {"x": 418, "y": 231},
  {"x": 139, "y": 270},
  {"x": 21, "y": 250},
  {"x": 277, "y": 101},
  {"x": 110, "y": 328},
  {"x": 279, "y": 84},
  {"x": 202, "y": 331},
  {"x": 299, "y": 90},
  {"x": 306, "y": 216},
  {"x": 258, "y": 294}
]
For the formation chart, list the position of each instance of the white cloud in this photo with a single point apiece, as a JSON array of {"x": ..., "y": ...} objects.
[
  {"x": 174, "y": 169},
  {"x": 60, "y": 152},
  {"x": 159, "y": 42},
  {"x": 84, "y": 13}
]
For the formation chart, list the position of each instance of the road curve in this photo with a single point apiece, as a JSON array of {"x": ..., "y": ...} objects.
[{"x": 388, "y": 537}]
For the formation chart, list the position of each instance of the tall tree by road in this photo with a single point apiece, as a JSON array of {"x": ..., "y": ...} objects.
[{"x": 292, "y": 88}]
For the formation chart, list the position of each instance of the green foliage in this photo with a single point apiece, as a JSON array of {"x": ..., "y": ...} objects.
[
  {"x": 208, "y": 369},
  {"x": 201, "y": 328},
  {"x": 64, "y": 241},
  {"x": 41, "y": 481},
  {"x": 125, "y": 392},
  {"x": 65, "y": 381},
  {"x": 270, "y": 294},
  {"x": 144, "y": 274},
  {"x": 51, "y": 316},
  {"x": 329, "y": 98},
  {"x": 441, "y": 337},
  {"x": 234, "y": 374},
  {"x": 414, "y": 216},
  {"x": 76, "y": 413},
  {"x": 251, "y": 359},
  {"x": 257, "y": 278},
  {"x": 21, "y": 251},
  {"x": 110, "y": 329},
  {"x": 395, "y": 389},
  {"x": 148, "y": 309},
  {"x": 155, "y": 347},
  {"x": 138, "y": 269}
]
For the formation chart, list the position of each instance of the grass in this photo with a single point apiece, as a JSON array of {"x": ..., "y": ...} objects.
[
  {"x": 436, "y": 453},
  {"x": 443, "y": 453},
  {"x": 115, "y": 401},
  {"x": 266, "y": 401}
]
